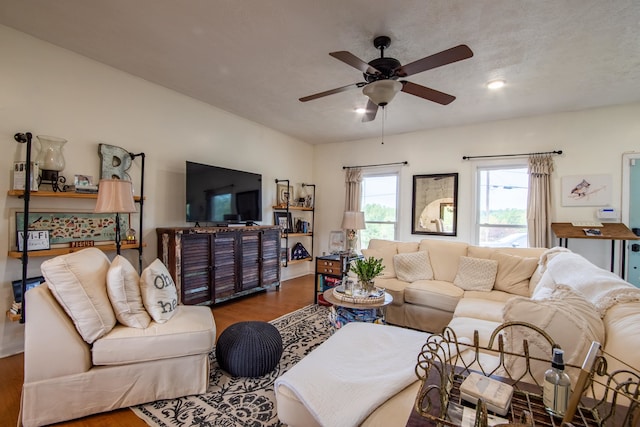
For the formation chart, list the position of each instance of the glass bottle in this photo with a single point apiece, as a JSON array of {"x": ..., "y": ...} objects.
[{"x": 557, "y": 386}]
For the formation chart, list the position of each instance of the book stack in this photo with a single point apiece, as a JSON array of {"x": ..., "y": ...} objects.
[
  {"x": 16, "y": 308},
  {"x": 88, "y": 189}
]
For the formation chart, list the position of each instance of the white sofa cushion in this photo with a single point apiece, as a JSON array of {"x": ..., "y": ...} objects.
[
  {"x": 190, "y": 331},
  {"x": 566, "y": 316},
  {"x": 623, "y": 336},
  {"x": 413, "y": 266},
  {"x": 386, "y": 253},
  {"x": 480, "y": 308},
  {"x": 123, "y": 288},
  {"x": 433, "y": 293},
  {"x": 407, "y": 247},
  {"x": 476, "y": 274},
  {"x": 393, "y": 286},
  {"x": 79, "y": 283},
  {"x": 159, "y": 293},
  {"x": 514, "y": 273},
  {"x": 444, "y": 256},
  {"x": 466, "y": 326}
]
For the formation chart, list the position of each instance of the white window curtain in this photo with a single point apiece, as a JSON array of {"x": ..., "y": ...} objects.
[
  {"x": 353, "y": 190},
  {"x": 539, "y": 201}
]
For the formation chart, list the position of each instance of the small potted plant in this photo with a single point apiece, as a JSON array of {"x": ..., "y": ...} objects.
[{"x": 367, "y": 269}]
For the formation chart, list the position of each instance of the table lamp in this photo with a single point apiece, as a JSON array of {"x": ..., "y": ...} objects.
[
  {"x": 115, "y": 196},
  {"x": 352, "y": 221}
]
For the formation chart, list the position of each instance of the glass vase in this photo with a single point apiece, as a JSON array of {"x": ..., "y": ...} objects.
[{"x": 50, "y": 155}]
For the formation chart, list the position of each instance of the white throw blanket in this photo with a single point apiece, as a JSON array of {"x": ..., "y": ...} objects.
[
  {"x": 355, "y": 371},
  {"x": 601, "y": 287}
]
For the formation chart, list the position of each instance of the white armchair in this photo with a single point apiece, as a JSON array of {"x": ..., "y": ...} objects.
[{"x": 67, "y": 378}]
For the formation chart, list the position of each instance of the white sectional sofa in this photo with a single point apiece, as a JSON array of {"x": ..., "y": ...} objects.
[
  {"x": 562, "y": 293},
  {"x": 428, "y": 300}
]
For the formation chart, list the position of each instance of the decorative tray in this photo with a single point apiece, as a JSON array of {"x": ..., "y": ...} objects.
[{"x": 359, "y": 297}]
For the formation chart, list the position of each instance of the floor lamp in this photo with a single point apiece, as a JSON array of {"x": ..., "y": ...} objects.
[{"x": 115, "y": 196}]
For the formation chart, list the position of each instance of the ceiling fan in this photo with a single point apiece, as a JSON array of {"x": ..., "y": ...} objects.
[{"x": 381, "y": 76}]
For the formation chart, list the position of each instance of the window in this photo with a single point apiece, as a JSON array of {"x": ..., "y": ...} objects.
[
  {"x": 380, "y": 206},
  {"x": 501, "y": 206}
]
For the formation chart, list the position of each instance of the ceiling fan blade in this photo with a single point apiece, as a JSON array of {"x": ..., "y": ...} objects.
[
  {"x": 457, "y": 53},
  {"x": 370, "y": 113},
  {"x": 350, "y": 59},
  {"x": 427, "y": 93},
  {"x": 332, "y": 91}
]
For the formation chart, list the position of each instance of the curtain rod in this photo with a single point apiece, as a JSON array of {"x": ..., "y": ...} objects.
[
  {"x": 380, "y": 164},
  {"x": 510, "y": 155}
]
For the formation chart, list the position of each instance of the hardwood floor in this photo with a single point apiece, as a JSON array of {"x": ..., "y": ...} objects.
[{"x": 265, "y": 306}]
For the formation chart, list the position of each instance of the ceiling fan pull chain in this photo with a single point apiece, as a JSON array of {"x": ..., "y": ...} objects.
[{"x": 384, "y": 116}]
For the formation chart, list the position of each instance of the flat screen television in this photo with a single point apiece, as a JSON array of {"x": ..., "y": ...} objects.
[{"x": 221, "y": 195}]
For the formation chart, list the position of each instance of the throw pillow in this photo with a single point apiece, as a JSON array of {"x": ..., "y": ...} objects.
[
  {"x": 78, "y": 281},
  {"x": 386, "y": 253},
  {"x": 567, "y": 317},
  {"x": 123, "y": 288},
  {"x": 159, "y": 293},
  {"x": 413, "y": 266},
  {"x": 514, "y": 273},
  {"x": 476, "y": 274}
]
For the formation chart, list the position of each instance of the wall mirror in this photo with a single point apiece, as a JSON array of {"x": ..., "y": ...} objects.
[{"x": 435, "y": 203}]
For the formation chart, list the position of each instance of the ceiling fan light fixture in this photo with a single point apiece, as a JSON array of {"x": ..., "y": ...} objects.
[
  {"x": 381, "y": 92},
  {"x": 496, "y": 84}
]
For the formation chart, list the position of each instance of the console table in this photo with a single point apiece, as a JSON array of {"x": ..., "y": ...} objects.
[{"x": 609, "y": 231}]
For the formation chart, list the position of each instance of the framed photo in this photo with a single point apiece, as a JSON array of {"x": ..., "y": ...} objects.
[
  {"x": 83, "y": 181},
  {"x": 31, "y": 282},
  {"x": 285, "y": 194},
  {"x": 434, "y": 205},
  {"x": 37, "y": 240},
  {"x": 283, "y": 219},
  {"x": 337, "y": 242},
  {"x": 586, "y": 190}
]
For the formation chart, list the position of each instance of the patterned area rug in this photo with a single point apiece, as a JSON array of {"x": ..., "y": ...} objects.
[{"x": 236, "y": 401}]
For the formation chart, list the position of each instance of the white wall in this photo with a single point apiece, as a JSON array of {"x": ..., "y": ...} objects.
[
  {"x": 48, "y": 90},
  {"x": 592, "y": 142},
  {"x": 51, "y": 91}
]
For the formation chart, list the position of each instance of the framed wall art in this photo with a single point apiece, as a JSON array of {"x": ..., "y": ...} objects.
[
  {"x": 67, "y": 228},
  {"x": 285, "y": 194},
  {"x": 586, "y": 190},
  {"x": 337, "y": 242},
  {"x": 434, "y": 206},
  {"x": 283, "y": 219}
]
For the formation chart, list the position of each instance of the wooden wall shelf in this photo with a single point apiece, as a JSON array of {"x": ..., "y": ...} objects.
[
  {"x": 296, "y": 261},
  {"x": 59, "y": 194},
  {"x": 13, "y": 316},
  {"x": 62, "y": 251},
  {"x": 292, "y": 208}
]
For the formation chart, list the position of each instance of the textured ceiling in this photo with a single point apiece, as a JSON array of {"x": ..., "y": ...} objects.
[{"x": 256, "y": 58}]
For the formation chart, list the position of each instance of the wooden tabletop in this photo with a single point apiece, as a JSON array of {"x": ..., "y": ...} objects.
[{"x": 609, "y": 230}]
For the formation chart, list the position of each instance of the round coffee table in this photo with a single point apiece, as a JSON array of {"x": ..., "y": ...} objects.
[{"x": 344, "y": 312}]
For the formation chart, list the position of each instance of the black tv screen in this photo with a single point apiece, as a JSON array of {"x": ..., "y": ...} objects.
[{"x": 222, "y": 195}]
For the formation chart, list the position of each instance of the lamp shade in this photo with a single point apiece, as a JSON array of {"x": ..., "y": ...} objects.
[
  {"x": 353, "y": 220},
  {"x": 115, "y": 196},
  {"x": 381, "y": 92}
]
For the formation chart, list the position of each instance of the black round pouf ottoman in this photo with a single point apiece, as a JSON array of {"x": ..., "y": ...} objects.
[{"x": 249, "y": 349}]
